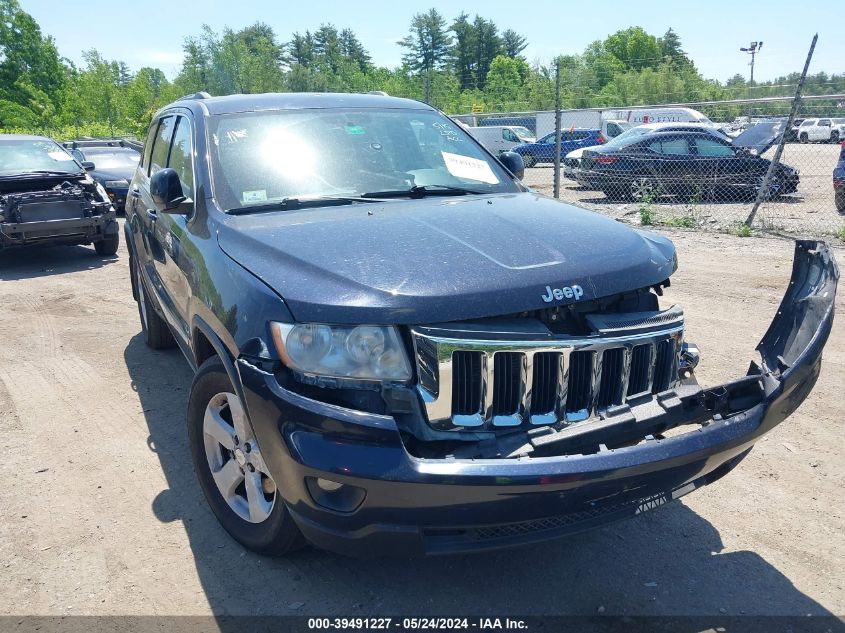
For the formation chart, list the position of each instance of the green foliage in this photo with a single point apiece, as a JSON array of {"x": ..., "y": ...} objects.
[
  {"x": 840, "y": 234},
  {"x": 741, "y": 229},
  {"x": 647, "y": 217},
  {"x": 681, "y": 221},
  {"x": 459, "y": 66}
]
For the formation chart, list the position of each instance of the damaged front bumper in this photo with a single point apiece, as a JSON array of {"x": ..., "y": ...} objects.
[{"x": 571, "y": 479}]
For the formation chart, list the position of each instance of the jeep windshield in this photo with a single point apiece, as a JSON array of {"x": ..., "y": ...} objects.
[
  {"x": 35, "y": 157},
  {"x": 261, "y": 158}
]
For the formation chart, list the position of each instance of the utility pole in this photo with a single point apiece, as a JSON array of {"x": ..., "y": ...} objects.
[
  {"x": 752, "y": 50},
  {"x": 556, "y": 181},
  {"x": 763, "y": 191}
]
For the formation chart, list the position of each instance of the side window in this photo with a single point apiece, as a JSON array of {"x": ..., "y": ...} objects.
[
  {"x": 510, "y": 136},
  {"x": 675, "y": 146},
  {"x": 613, "y": 130},
  {"x": 712, "y": 147},
  {"x": 824, "y": 122},
  {"x": 656, "y": 146},
  {"x": 161, "y": 144},
  {"x": 77, "y": 155},
  {"x": 580, "y": 136},
  {"x": 148, "y": 145},
  {"x": 180, "y": 156}
]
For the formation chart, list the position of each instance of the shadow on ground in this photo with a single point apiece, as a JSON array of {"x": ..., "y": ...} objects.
[
  {"x": 26, "y": 262},
  {"x": 667, "y": 562}
]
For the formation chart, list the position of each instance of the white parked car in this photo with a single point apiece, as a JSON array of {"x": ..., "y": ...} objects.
[
  {"x": 825, "y": 130},
  {"x": 501, "y": 138}
]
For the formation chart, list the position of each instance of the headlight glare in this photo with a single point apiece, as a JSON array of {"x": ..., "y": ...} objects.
[{"x": 363, "y": 352}]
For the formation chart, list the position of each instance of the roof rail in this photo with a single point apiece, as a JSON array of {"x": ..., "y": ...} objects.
[
  {"x": 380, "y": 93},
  {"x": 202, "y": 94},
  {"x": 94, "y": 142}
]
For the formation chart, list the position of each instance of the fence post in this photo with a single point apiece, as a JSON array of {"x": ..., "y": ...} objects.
[
  {"x": 557, "y": 129},
  {"x": 764, "y": 188}
]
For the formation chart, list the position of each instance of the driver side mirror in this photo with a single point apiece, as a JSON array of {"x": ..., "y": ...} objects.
[
  {"x": 513, "y": 163},
  {"x": 87, "y": 165},
  {"x": 166, "y": 192}
]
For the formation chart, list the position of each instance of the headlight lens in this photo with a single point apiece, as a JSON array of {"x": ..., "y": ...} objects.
[
  {"x": 363, "y": 352},
  {"x": 117, "y": 183}
]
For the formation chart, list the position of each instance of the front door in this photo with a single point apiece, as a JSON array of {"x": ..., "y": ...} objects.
[{"x": 171, "y": 229}]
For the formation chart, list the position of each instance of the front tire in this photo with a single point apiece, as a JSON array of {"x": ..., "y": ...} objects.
[
  {"x": 107, "y": 246},
  {"x": 231, "y": 471},
  {"x": 834, "y": 136},
  {"x": 804, "y": 138}
]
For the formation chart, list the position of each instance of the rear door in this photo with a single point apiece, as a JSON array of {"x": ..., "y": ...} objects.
[
  {"x": 670, "y": 160},
  {"x": 822, "y": 130}
]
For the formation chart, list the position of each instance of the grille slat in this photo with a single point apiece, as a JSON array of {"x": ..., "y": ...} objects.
[
  {"x": 638, "y": 377},
  {"x": 500, "y": 383}
]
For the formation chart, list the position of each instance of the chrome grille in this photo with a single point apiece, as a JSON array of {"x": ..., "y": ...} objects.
[{"x": 473, "y": 381}]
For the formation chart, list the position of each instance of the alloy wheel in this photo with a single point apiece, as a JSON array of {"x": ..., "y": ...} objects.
[
  {"x": 642, "y": 188},
  {"x": 235, "y": 461}
]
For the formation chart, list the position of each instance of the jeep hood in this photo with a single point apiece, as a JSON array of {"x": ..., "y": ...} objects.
[{"x": 441, "y": 258}]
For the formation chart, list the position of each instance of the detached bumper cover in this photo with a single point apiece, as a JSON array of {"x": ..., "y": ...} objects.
[{"x": 573, "y": 479}]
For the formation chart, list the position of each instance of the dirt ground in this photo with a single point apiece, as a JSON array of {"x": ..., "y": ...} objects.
[
  {"x": 809, "y": 211},
  {"x": 101, "y": 513}
]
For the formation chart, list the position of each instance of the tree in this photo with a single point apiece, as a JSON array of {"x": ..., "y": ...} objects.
[
  {"x": 634, "y": 48},
  {"x": 353, "y": 50},
  {"x": 513, "y": 43},
  {"x": 30, "y": 68},
  {"x": 463, "y": 52},
  {"x": 428, "y": 43},
  {"x": 488, "y": 45}
]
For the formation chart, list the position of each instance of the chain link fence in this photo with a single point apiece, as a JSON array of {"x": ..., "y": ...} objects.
[{"x": 696, "y": 165}]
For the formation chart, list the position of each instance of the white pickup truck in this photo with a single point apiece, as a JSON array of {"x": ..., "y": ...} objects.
[{"x": 825, "y": 130}]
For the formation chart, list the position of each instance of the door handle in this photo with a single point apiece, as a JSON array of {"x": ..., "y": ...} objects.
[
  {"x": 152, "y": 215},
  {"x": 135, "y": 192}
]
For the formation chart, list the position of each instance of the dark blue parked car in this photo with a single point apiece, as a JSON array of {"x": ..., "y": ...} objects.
[
  {"x": 687, "y": 164},
  {"x": 543, "y": 151},
  {"x": 839, "y": 181}
]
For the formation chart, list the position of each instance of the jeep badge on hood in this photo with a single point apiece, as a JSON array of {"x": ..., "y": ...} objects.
[{"x": 559, "y": 294}]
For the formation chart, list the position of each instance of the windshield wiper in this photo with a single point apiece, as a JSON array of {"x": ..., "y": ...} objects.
[
  {"x": 286, "y": 204},
  {"x": 44, "y": 172},
  {"x": 420, "y": 191}
]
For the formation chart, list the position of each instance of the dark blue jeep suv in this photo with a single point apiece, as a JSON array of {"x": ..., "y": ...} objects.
[{"x": 399, "y": 349}]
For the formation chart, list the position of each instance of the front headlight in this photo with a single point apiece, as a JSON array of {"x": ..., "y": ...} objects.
[
  {"x": 117, "y": 184},
  {"x": 363, "y": 352}
]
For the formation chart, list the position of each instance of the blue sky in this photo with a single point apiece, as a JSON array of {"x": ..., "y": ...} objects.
[{"x": 150, "y": 33}]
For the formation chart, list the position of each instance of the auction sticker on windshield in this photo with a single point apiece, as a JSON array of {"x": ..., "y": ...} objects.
[{"x": 469, "y": 168}]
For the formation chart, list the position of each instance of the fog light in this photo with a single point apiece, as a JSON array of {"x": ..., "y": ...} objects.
[{"x": 334, "y": 495}]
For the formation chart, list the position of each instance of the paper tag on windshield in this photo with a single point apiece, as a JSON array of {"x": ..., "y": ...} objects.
[
  {"x": 469, "y": 168},
  {"x": 260, "y": 195}
]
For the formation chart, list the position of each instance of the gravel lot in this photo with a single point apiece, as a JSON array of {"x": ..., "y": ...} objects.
[
  {"x": 102, "y": 514},
  {"x": 810, "y": 211}
]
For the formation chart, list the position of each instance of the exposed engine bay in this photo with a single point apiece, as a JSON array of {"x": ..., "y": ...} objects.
[{"x": 39, "y": 209}]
